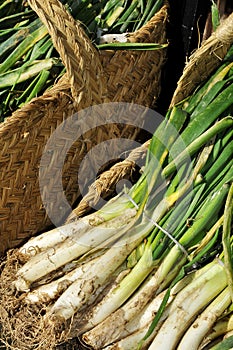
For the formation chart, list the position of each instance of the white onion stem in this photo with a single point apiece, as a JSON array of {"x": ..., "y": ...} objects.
[
  {"x": 50, "y": 260},
  {"x": 105, "y": 331},
  {"x": 95, "y": 276},
  {"x": 221, "y": 327},
  {"x": 187, "y": 304},
  {"x": 196, "y": 333}
]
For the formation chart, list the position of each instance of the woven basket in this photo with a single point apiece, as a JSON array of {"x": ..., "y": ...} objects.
[
  {"x": 204, "y": 60},
  {"x": 91, "y": 78},
  {"x": 199, "y": 67}
]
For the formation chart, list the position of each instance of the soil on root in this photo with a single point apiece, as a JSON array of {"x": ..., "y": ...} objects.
[{"x": 23, "y": 326}]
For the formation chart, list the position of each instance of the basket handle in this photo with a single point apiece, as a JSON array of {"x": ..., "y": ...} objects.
[
  {"x": 79, "y": 56},
  {"x": 204, "y": 60}
]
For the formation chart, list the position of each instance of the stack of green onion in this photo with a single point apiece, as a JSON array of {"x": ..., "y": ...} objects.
[
  {"x": 29, "y": 64},
  {"x": 153, "y": 267}
]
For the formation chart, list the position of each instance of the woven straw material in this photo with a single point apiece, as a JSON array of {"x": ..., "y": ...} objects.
[
  {"x": 87, "y": 82},
  {"x": 104, "y": 186},
  {"x": 204, "y": 60},
  {"x": 85, "y": 72},
  {"x": 125, "y": 69}
]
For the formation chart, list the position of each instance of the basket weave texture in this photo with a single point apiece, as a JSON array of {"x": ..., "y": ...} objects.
[
  {"x": 199, "y": 67},
  {"x": 204, "y": 60},
  {"x": 92, "y": 78}
]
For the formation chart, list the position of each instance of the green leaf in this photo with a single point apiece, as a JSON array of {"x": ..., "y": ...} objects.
[{"x": 131, "y": 46}]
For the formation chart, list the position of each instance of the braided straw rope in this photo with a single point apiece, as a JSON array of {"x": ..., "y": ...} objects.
[
  {"x": 104, "y": 186},
  {"x": 201, "y": 64},
  {"x": 85, "y": 72},
  {"x": 204, "y": 60},
  {"x": 88, "y": 81}
]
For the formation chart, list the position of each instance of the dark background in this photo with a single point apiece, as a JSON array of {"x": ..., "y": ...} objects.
[{"x": 186, "y": 25}]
